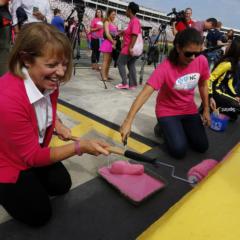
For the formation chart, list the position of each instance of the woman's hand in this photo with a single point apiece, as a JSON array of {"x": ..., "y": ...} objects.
[
  {"x": 212, "y": 104},
  {"x": 206, "y": 117},
  {"x": 94, "y": 147},
  {"x": 114, "y": 44},
  {"x": 237, "y": 99},
  {"x": 64, "y": 133},
  {"x": 130, "y": 50},
  {"x": 125, "y": 130},
  {"x": 120, "y": 32}
]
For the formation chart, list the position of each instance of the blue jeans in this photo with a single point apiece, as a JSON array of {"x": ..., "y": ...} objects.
[{"x": 181, "y": 131}]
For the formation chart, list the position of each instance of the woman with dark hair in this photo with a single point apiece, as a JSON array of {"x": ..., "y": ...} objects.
[
  {"x": 224, "y": 84},
  {"x": 109, "y": 43},
  {"x": 126, "y": 56},
  {"x": 96, "y": 29},
  {"x": 175, "y": 80}
]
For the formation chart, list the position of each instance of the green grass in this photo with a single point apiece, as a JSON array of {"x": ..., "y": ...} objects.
[{"x": 84, "y": 45}]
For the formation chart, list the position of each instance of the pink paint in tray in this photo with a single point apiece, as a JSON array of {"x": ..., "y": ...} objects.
[{"x": 135, "y": 187}]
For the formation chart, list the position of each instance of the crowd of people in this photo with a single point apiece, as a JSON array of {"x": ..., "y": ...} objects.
[{"x": 41, "y": 59}]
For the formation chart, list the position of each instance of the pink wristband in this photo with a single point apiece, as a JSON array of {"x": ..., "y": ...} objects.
[{"x": 78, "y": 148}]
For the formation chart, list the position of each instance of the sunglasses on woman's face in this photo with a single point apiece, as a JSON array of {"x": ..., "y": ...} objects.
[{"x": 190, "y": 54}]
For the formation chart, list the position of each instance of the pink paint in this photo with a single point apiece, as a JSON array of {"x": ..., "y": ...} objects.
[
  {"x": 202, "y": 169},
  {"x": 123, "y": 167},
  {"x": 135, "y": 187}
]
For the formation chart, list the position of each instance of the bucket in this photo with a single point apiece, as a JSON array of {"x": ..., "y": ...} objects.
[{"x": 219, "y": 122}]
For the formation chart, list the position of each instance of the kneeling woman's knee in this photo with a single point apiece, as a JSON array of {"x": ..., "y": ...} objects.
[
  {"x": 203, "y": 147},
  {"x": 178, "y": 151},
  {"x": 39, "y": 217}
]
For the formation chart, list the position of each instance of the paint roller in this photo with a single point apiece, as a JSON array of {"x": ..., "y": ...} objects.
[{"x": 195, "y": 174}]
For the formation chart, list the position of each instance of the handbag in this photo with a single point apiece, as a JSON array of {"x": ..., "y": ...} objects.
[{"x": 137, "y": 49}]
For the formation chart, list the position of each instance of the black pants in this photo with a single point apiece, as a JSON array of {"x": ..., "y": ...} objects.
[
  {"x": 179, "y": 131},
  {"x": 27, "y": 200},
  {"x": 5, "y": 47},
  {"x": 95, "y": 50},
  {"x": 227, "y": 105}
]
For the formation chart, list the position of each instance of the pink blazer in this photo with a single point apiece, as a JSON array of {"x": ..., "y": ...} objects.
[{"x": 19, "y": 146}]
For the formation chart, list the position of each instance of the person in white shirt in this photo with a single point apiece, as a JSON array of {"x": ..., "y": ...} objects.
[{"x": 36, "y": 11}]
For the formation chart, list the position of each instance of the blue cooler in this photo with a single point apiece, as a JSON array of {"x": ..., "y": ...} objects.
[{"x": 219, "y": 122}]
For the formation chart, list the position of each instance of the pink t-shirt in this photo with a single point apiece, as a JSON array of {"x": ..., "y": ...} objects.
[
  {"x": 97, "y": 22},
  {"x": 113, "y": 29},
  {"x": 134, "y": 28},
  {"x": 176, "y": 85}
]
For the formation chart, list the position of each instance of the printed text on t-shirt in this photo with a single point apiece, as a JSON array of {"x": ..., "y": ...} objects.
[{"x": 187, "y": 82}]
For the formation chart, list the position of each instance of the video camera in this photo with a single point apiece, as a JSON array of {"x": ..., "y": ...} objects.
[
  {"x": 146, "y": 31},
  {"x": 79, "y": 8},
  {"x": 178, "y": 16}
]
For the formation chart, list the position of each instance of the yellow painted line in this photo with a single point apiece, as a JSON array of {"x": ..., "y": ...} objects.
[
  {"x": 81, "y": 130},
  {"x": 56, "y": 142},
  {"x": 101, "y": 128},
  {"x": 210, "y": 212}
]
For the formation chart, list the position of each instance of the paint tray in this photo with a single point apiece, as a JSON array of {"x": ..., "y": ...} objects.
[{"x": 136, "y": 188}]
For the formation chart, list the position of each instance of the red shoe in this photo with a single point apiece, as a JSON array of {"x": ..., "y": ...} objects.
[{"x": 122, "y": 86}]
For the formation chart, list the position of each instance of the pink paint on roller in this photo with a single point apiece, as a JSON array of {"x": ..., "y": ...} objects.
[
  {"x": 135, "y": 187},
  {"x": 201, "y": 170},
  {"x": 123, "y": 167}
]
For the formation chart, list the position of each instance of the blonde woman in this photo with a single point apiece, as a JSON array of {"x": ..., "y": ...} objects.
[
  {"x": 30, "y": 170},
  {"x": 109, "y": 43}
]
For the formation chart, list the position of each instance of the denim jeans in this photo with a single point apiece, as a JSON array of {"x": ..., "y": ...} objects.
[{"x": 181, "y": 131}]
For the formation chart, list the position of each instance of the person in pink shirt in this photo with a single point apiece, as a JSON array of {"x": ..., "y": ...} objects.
[
  {"x": 96, "y": 30},
  {"x": 126, "y": 56},
  {"x": 175, "y": 79},
  {"x": 30, "y": 170}
]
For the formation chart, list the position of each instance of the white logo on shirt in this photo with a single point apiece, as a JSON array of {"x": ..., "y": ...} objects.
[
  {"x": 187, "y": 82},
  {"x": 100, "y": 23}
]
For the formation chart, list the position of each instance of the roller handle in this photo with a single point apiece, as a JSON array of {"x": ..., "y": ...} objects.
[
  {"x": 130, "y": 154},
  {"x": 138, "y": 157}
]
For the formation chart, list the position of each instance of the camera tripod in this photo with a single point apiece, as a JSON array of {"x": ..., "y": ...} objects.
[
  {"x": 75, "y": 39},
  {"x": 75, "y": 35},
  {"x": 156, "y": 51}
]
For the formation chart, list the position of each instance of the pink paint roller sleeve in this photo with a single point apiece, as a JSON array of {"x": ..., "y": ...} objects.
[
  {"x": 123, "y": 167},
  {"x": 201, "y": 170}
]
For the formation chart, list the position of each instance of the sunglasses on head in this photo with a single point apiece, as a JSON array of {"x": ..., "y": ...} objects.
[{"x": 190, "y": 54}]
